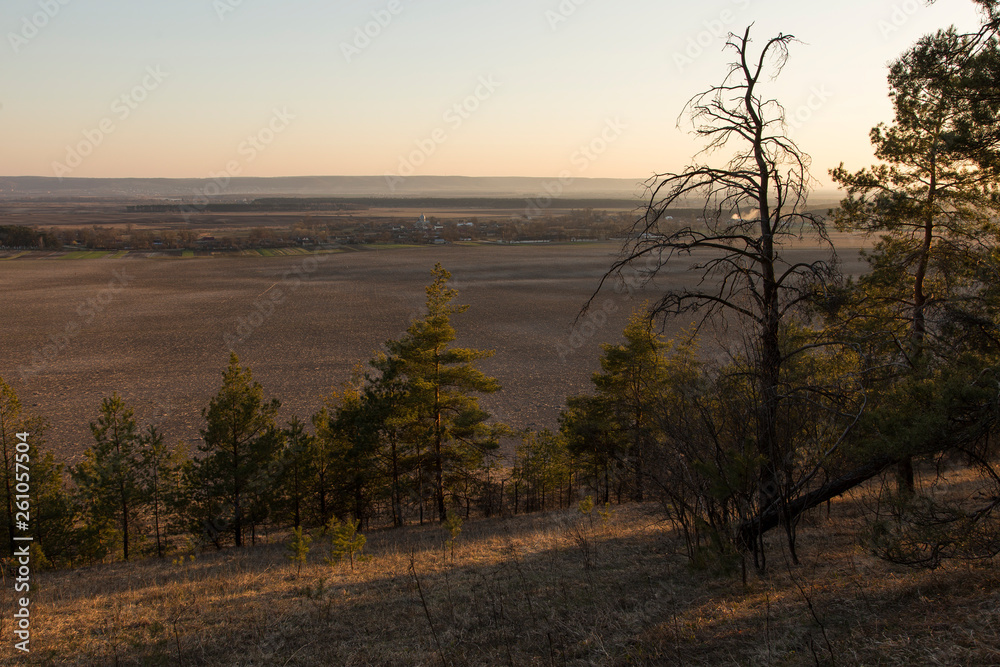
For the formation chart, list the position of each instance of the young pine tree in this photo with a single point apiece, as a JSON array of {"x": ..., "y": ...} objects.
[
  {"x": 448, "y": 428},
  {"x": 345, "y": 540},
  {"x": 352, "y": 435},
  {"x": 298, "y": 549},
  {"x": 543, "y": 468},
  {"x": 588, "y": 427},
  {"x": 51, "y": 511},
  {"x": 299, "y": 467},
  {"x": 631, "y": 382},
  {"x": 384, "y": 397},
  {"x": 159, "y": 476},
  {"x": 108, "y": 480},
  {"x": 240, "y": 439},
  {"x": 54, "y": 514}
]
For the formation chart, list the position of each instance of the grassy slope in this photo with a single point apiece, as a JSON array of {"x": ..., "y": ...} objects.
[{"x": 547, "y": 589}]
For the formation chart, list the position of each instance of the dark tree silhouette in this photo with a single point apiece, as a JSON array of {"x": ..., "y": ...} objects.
[{"x": 751, "y": 207}]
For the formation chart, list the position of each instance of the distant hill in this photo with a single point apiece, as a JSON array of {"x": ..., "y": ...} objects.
[
  {"x": 242, "y": 190},
  {"x": 38, "y": 187}
]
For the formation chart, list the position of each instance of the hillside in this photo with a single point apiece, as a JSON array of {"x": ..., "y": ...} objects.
[{"x": 548, "y": 589}]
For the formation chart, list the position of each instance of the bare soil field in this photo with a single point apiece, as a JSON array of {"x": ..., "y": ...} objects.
[{"x": 159, "y": 330}]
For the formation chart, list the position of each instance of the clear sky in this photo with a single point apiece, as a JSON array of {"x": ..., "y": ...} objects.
[{"x": 191, "y": 88}]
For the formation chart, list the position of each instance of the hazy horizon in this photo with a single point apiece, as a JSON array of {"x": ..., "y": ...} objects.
[{"x": 43, "y": 187}]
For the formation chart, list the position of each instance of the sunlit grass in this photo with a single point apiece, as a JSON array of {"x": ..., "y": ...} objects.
[{"x": 553, "y": 588}]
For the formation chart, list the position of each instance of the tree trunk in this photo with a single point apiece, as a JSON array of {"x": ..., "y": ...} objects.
[
  {"x": 322, "y": 497},
  {"x": 298, "y": 493},
  {"x": 749, "y": 532},
  {"x": 237, "y": 514},
  {"x": 918, "y": 330},
  {"x": 397, "y": 505},
  {"x": 124, "y": 521},
  {"x": 438, "y": 446},
  {"x": 156, "y": 517}
]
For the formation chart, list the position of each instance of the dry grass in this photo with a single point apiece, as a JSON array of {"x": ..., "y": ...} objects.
[{"x": 551, "y": 589}]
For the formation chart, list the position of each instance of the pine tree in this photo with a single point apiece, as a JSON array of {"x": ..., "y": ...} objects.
[
  {"x": 297, "y": 458},
  {"x": 542, "y": 467},
  {"x": 159, "y": 474},
  {"x": 592, "y": 438},
  {"x": 51, "y": 511},
  {"x": 54, "y": 514},
  {"x": 298, "y": 549},
  {"x": 324, "y": 480},
  {"x": 108, "y": 478},
  {"x": 933, "y": 202},
  {"x": 11, "y": 423},
  {"x": 448, "y": 430},
  {"x": 240, "y": 439},
  {"x": 384, "y": 396},
  {"x": 345, "y": 540},
  {"x": 631, "y": 382},
  {"x": 353, "y": 441}
]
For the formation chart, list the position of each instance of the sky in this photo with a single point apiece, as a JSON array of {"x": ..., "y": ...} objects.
[{"x": 589, "y": 88}]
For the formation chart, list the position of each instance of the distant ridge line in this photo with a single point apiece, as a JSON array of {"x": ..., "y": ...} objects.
[{"x": 236, "y": 188}]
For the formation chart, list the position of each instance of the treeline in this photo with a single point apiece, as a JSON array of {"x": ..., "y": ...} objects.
[
  {"x": 403, "y": 441},
  {"x": 17, "y": 236}
]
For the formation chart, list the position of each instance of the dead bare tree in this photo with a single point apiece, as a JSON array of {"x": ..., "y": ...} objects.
[{"x": 751, "y": 207}]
